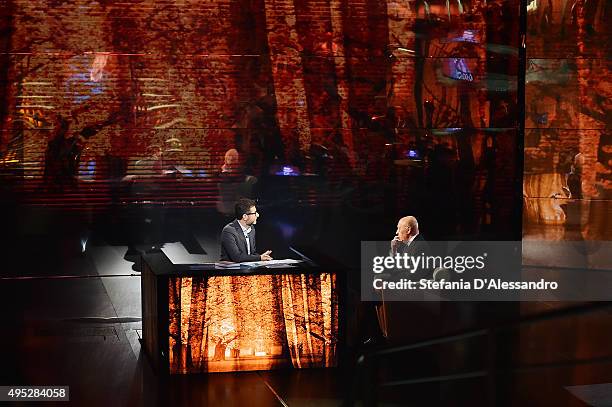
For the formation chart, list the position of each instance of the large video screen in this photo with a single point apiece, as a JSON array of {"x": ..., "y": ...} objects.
[
  {"x": 568, "y": 183},
  {"x": 111, "y": 105}
]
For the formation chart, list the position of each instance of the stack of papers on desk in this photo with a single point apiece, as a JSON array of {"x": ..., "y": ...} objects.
[
  {"x": 278, "y": 266},
  {"x": 253, "y": 264},
  {"x": 227, "y": 265},
  {"x": 270, "y": 263}
]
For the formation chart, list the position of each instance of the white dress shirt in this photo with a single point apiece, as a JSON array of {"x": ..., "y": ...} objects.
[{"x": 246, "y": 231}]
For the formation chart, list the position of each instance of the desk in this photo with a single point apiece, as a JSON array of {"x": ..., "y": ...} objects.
[{"x": 198, "y": 321}]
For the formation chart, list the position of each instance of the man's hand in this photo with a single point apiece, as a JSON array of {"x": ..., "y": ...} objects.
[
  {"x": 395, "y": 244},
  {"x": 266, "y": 256}
]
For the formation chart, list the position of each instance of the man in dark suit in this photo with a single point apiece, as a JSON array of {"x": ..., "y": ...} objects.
[
  {"x": 409, "y": 241},
  {"x": 238, "y": 236},
  {"x": 388, "y": 315},
  {"x": 407, "y": 238}
]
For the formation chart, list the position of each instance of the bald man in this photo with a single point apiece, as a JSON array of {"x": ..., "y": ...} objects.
[{"x": 407, "y": 232}]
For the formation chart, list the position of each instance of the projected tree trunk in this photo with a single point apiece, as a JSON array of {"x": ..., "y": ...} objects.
[{"x": 258, "y": 322}]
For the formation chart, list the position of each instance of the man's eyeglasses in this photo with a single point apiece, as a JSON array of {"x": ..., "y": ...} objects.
[{"x": 252, "y": 213}]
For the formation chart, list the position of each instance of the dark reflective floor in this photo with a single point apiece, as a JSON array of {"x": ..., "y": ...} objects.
[{"x": 71, "y": 316}]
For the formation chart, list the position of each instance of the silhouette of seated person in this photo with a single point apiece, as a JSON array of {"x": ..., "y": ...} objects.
[
  {"x": 234, "y": 183},
  {"x": 142, "y": 173},
  {"x": 62, "y": 158},
  {"x": 574, "y": 177},
  {"x": 150, "y": 166}
]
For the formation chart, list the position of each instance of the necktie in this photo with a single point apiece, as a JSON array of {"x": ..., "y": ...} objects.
[{"x": 248, "y": 242}]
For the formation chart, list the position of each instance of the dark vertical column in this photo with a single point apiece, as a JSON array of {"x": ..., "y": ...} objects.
[
  {"x": 366, "y": 32},
  {"x": 7, "y": 200},
  {"x": 314, "y": 27},
  {"x": 257, "y": 132},
  {"x": 6, "y": 31},
  {"x": 124, "y": 28},
  {"x": 11, "y": 133},
  {"x": 501, "y": 386},
  {"x": 517, "y": 215}
]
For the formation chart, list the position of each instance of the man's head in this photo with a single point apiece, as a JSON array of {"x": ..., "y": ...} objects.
[
  {"x": 154, "y": 151},
  {"x": 246, "y": 211},
  {"x": 231, "y": 163},
  {"x": 406, "y": 228}
]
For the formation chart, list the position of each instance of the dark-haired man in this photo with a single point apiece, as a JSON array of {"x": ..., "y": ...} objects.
[{"x": 238, "y": 236}]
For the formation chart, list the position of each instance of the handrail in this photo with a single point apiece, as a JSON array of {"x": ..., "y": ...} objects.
[{"x": 558, "y": 313}]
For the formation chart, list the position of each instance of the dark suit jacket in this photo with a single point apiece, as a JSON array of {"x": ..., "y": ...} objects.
[
  {"x": 415, "y": 248},
  {"x": 419, "y": 245},
  {"x": 233, "y": 244}
]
